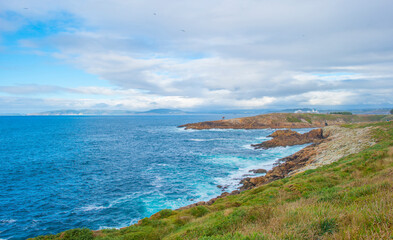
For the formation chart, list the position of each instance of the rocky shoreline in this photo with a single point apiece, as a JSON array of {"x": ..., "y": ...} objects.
[{"x": 329, "y": 144}]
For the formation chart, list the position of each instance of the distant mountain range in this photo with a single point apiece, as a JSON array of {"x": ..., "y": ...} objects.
[
  {"x": 165, "y": 111},
  {"x": 107, "y": 112}
]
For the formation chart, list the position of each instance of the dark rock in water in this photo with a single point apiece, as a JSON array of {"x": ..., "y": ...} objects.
[
  {"x": 258, "y": 170},
  {"x": 283, "y": 138},
  {"x": 247, "y": 175},
  {"x": 222, "y": 187}
]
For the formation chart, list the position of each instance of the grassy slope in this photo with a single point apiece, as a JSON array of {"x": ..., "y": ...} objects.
[{"x": 349, "y": 199}]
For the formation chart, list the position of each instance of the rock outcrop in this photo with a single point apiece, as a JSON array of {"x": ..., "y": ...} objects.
[
  {"x": 261, "y": 170},
  {"x": 283, "y": 167},
  {"x": 290, "y": 138}
]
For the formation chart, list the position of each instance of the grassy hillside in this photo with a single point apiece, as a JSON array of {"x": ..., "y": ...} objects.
[{"x": 349, "y": 199}]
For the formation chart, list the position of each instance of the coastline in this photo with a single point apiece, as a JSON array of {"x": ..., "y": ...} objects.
[
  {"x": 335, "y": 143},
  {"x": 341, "y": 191},
  {"x": 338, "y": 142}
]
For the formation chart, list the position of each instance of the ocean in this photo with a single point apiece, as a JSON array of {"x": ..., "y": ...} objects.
[{"x": 64, "y": 172}]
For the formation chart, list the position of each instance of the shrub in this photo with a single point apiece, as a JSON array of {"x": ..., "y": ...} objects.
[
  {"x": 78, "y": 234},
  {"x": 182, "y": 220},
  {"x": 293, "y": 119},
  {"x": 342, "y": 113},
  {"x": 199, "y": 211},
  {"x": 163, "y": 214}
]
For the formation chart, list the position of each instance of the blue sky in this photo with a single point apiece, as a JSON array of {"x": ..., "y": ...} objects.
[{"x": 140, "y": 55}]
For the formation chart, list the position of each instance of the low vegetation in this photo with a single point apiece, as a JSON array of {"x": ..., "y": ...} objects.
[
  {"x": 342, "y": 113},
  {"x": 349, "y": 199}
]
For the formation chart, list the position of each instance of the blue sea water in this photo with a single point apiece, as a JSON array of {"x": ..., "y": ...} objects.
[{"x": 63, "y": 172}]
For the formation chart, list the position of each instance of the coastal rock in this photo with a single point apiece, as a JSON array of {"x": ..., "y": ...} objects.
[
  {"x": 258, "y": 170},
  {"x": 284, "y": 167},
  {"x": 193, "y": 205},
  {"x": 282, "y": 138}
]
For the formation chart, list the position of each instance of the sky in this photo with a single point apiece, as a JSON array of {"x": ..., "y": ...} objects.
[{"x": 194, "y": 55}]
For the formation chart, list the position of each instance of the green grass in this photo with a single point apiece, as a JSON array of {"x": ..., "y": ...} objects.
[
  {"x": 293, "y": 119},
  {"x": 342, "y": 113},
  {"x": 349, "y": 199}
]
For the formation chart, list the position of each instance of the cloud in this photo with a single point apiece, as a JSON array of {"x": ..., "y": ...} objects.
[
  {"x": 241, "y": 54},
  {"x": 32, "y": 89}
]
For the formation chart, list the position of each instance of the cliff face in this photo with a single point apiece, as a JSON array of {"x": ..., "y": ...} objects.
[{"x": 285, "y": 120}]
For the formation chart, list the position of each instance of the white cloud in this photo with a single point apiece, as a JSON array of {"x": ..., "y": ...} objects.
[
  {"x": 329, "y": 98},
  {"x": 243, "y": 54}
]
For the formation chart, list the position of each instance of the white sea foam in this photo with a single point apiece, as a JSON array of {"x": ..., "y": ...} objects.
[
  {"x": 92, "y": 208},
  {"x": 7, "y": 221},
  {"x": 248, "y": 146},
  {"x": 224, "y": 130},
  {"x": 228, "y": 160},
  {"x": 95, "y": 207},
  {"x": 199, "y": 140},
  {"x": 263, "y": 138},
  {"x": 265, "y": 161},
  {"x": 183, "y": 130},
  {"x": 210, "y": 139},
  {"x": 162, "y": 164},
  {"x": 158, "y": 181},
  {"x": 107, "y": 227}
]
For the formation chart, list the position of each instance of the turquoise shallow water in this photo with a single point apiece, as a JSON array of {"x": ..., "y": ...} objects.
[{"x": 58, "y": 173}]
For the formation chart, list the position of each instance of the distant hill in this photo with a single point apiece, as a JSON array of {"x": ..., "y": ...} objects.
[
  {"x": 164, "y": 111},
  {"x": 72, "y": 112},
  {"x": 82, "y": 112}
]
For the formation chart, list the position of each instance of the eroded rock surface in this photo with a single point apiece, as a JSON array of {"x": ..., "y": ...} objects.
[{"x": 290, "y": 138}]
